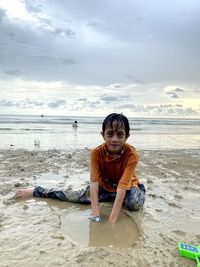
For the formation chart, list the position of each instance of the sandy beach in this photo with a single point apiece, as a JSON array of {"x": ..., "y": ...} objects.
[{"x": 34, "y": 232}]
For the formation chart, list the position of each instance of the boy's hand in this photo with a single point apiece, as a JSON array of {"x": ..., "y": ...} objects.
[
  {"x": 112, "y": 221},
  {"x": 95, "y": 218},
  {"x": 117, "y": 206}
]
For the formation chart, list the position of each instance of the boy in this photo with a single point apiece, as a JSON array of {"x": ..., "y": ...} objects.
[{"x": 112, "y": 174}]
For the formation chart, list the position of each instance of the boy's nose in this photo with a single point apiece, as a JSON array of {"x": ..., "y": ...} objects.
[{"x": 114, "y": 137}]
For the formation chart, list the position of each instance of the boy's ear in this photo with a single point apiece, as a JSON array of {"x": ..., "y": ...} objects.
[
  {"x": 102, "y": 134},
  {"x": 127, "y": 136}
]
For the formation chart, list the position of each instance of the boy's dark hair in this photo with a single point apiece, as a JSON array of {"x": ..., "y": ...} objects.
[{"x": 121, "y": 121}]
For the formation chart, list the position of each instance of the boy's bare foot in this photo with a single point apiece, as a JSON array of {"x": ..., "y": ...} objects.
[{"x": 22, "y": 193}]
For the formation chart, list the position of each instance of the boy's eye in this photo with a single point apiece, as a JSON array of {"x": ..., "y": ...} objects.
[
  {"x": 120, "y": 135},
  {"x": 109, "y": 134}
]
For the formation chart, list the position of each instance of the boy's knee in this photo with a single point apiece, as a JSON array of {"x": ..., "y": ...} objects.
[
  {"x": 135, "y": 199},
  {"x": 132, "y": 206}
]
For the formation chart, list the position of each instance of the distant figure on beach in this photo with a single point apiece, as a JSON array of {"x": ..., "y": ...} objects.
[
  {"x": 37, "y": 143},
  {"x": 75, "y": 124},
  {"x": 112, "y": 174}
]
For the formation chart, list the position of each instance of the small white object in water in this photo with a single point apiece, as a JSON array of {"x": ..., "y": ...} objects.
[{"x": 37, "y": 143}]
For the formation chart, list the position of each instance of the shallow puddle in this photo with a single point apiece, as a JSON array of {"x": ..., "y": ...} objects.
[{"x": 76, "y": 226}]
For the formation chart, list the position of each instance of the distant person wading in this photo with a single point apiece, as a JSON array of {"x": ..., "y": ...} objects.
[{"x": 75, "y": 124}]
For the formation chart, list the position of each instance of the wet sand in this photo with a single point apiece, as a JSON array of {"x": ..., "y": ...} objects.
[{"x": 33, "y": 232}]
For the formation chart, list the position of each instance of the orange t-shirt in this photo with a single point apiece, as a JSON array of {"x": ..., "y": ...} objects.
[{"x": 112, "y": 173}]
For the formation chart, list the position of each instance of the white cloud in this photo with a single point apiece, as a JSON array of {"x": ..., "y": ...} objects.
[{"x": 61, "y": 98}]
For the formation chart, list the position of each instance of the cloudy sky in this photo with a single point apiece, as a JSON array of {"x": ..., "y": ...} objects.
[{"x": 93, "y": 57}]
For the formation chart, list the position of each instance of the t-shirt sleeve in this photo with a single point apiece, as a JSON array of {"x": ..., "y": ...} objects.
[
  {"x": 94, "y": 167},
  {"x": 129, "y": 178}
]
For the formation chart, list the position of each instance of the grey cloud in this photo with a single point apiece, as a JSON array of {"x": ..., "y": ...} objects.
[
  {"x": 140, "y": 19},
  {"x": 85, "y": 103},
  {"x": 64, "y": 32},
  {"x": 183, "y": 111},
  {"x": 141, "y": 108},
  {"x": 48, "y": 27},
  {"x": 165, "y": 106},
  {"x": 57, "y": 103},
  {"x": 54, "y": 60},
  {"x": 138, "y": 108},
  {"x": 33, "y": 6},
  {"x": 39, "y": 104},
  {"x": 82, "y": 99},
  {"x": 37, "y": 7},
  {"x": 93, "y": 24},
  {"x": 46, "y": 22},
  {"x": 131, "y": 78},
  {"x": 12, "y": 72},
  {"x": 179, "y": 105},
  {"x": 109, "y": 98},
  {"x": 170, "y": 105},
  {"x": 178, "y": 90},
  {"x": 34, "y": 103},
  {"x": 190, "y": 111},
  {"x": 171, "y": 110},
  {"x": 172, "y": 94},
  {"x": 152, "y": 42},
  {"x": 20, "y": 50},
  {"x": 117, "y": 86},
  {"x": 11, "y": 35},
  {"x": 69, "y": 61},
  {"x": 6, "y": 103},
  {"x": 150, "y": 107},
  {"x": 2, "y": 14},
  {"x": 27, "y": 103},
  {"x": 93, "y": 104},
  {"x": 129, "y": 106}
]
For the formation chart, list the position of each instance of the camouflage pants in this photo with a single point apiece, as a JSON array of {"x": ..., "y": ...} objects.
[{"x": 134, "y": 198}]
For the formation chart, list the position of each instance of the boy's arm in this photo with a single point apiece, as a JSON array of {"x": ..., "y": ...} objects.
[
  {"x": 117, "y": 205},
  {"x": 94, "y": 188}
]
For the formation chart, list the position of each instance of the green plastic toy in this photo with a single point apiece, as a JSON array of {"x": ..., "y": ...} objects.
[{"x": 190, "y": 252}]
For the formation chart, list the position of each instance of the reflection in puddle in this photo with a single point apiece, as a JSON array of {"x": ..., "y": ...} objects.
[
  {"x": 49, "y": 179},
  {"x": 52, "y": 180},
  {"x": 76, "y": 225}
]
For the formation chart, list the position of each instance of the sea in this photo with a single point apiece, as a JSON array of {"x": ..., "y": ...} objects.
[{"x": 56, "y": 132}]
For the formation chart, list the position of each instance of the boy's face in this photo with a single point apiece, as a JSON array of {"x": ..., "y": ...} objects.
[{"x": 115, "y": 138}]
